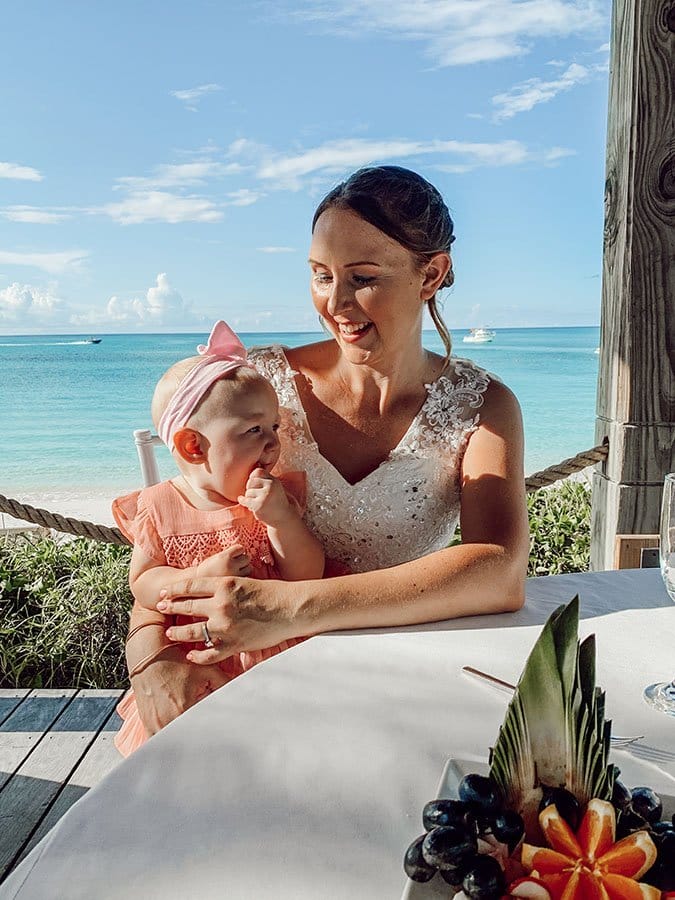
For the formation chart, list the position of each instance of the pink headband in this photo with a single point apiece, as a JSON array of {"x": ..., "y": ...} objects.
[{"x": 222, "y": 353}]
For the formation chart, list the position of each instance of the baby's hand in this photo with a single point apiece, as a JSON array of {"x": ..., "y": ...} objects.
[
  {"x": 266, "y": 498},
  {"x": 232, "y": 561}
]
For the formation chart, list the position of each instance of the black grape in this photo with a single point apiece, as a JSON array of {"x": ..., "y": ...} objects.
[
  {"x": 481, "y": 791},
  {"x": 416, "y": 867}
]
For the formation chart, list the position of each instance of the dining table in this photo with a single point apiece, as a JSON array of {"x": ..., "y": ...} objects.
[{"x": 306, "y": 777}]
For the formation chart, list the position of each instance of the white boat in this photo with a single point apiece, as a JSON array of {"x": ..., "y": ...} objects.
[{"x": 479, "y": 336}]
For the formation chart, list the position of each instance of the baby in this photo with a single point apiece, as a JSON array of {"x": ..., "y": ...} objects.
[{"x": 225, "y": 514}]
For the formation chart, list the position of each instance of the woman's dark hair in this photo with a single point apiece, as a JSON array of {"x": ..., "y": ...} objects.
[{"x": 407, "y": 208}]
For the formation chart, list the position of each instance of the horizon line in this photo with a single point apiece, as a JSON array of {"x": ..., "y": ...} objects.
[{"x": 271, "y": 331}]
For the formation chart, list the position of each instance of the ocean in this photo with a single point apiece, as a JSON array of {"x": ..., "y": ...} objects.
[{"x": 69, "y": 407}]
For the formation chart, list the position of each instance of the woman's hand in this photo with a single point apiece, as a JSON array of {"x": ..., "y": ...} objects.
[
  {"x": 240, "y": 614},
  {"x": 170, "y": 685}
]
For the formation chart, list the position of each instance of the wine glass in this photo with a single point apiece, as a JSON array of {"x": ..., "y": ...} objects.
[{"x": 662, "y": 694}]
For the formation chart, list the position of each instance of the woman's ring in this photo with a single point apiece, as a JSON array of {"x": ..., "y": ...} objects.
[{"x": 208, "y": 643}]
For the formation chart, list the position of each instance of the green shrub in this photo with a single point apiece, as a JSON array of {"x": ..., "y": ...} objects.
[
  {"x": 560, "y": 529},
  {"x": 64, "y": 612},
  {"x": 64, "y": 604}
]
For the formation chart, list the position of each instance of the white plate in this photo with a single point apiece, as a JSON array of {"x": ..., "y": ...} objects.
[{"x": 456, "y": 769}]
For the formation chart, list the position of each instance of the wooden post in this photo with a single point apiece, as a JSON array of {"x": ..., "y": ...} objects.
[{"x": 636, "y": 383}]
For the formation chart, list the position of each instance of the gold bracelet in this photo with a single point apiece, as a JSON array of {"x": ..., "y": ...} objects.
[
  {"x": 144, "y": 625},
  {"x": 150, "y": 658}
]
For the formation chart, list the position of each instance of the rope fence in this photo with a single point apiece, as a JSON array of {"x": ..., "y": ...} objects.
[
  {"x": 47, "y": 519},
  {"x": 112, "y": 535},
  {"x": 567, "y": 467}
]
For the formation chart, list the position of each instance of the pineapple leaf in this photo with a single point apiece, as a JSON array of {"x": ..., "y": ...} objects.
[{"x": 554, "y": 733}]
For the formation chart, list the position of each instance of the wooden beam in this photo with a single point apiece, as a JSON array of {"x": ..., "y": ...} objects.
[{"x": 636, "y": 383}]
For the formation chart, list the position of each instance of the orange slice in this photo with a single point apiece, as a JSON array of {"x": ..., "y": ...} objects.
[
  {"x": 558, "y": 833},
  {"x": 597, "y": 829},
  {"x": 631, "y": 857},
  {"x": 620, "y": 888},
  {"x": 588, "y": 865},
  {"x": 544, "y": 860}
]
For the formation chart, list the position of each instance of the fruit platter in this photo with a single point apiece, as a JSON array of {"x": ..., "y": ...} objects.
[{"x": 548, "y": 817}]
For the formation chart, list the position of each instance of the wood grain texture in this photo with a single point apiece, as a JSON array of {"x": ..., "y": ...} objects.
[
  {"x": 639, "y": 453},
  {"x": 23, "y": 729},
  {"x": 102, "y": 757},
  {"x": 31, "y": 791},
  {"x": 9, "y": 700},
  {"x": 629, "y": 505},
  {"x": 636, "y": 382}
]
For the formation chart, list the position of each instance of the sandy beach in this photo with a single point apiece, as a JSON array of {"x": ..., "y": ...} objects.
[
  {"x": 93, "y": 504},
  {"x": 89, "y": 505}
]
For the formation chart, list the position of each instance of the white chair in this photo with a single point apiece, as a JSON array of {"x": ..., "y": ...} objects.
[{"x": 146, "y": 442}]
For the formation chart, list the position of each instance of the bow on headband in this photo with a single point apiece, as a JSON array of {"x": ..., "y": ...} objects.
[{"x": 222, "y": 353}]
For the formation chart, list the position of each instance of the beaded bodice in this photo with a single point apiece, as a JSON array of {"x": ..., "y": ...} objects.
[{"x": 409, "y": 505}]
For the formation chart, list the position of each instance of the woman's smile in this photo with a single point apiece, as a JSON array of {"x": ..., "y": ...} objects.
[{"x": 352, "y": 332}]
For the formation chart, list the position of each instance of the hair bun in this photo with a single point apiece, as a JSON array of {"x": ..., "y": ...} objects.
[{"x": 449, "y": 279}]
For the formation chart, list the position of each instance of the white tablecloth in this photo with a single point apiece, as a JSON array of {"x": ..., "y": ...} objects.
[{"x": 306, "y": 777}]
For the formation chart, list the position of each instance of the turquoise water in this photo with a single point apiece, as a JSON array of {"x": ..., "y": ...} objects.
[{"x": 69, "y": 408}]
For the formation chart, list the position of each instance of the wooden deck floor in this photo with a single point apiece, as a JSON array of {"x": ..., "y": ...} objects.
[{"x": 54, "y": 745}]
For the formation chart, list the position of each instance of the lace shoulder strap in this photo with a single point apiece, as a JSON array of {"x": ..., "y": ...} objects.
[
  {"x": 272, "y": 364},
  {"x": 450, "y": 413}
]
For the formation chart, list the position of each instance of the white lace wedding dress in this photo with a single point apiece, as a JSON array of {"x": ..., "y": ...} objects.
[{"x": 409, "y": 505}]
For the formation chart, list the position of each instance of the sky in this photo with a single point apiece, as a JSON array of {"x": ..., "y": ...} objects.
[{"x": 160, "y": 162}]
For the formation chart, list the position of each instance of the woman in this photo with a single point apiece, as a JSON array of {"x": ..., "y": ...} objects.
[{"x": 397, "y": 443}]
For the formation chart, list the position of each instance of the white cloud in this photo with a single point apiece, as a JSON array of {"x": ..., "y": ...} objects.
[
  {"x": 556, "y": 153},
  {"x": 54, "y": 263},
  {"x": 28, "y": 305},
  {"x": 334, "y": 157},
  {"x": 164, "y": 301},
  {"x": 179, "y": 175},
  {"x": 33, "y": 215},
  {"x": 20, "y": 173},
  {"x": 243, "y": 197},
  {"x": 162, "y": 206},
  {"x": 191, "y": 96},
  {"x": 160, "y": 196},
  {"x": 456, "y": 32},
  {"x": 528, "y": 94},
  {"x": 161, "y": 306},
  {"x": 276, "y": 249}
]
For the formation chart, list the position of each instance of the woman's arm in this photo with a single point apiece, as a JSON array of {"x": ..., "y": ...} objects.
[
  {"x": 169, "y": 684},
  {"x": 165, "y": 682},
  {"x": 484, "y": 574}
]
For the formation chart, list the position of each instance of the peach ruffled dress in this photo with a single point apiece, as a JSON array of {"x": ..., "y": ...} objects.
[{"x": 172, "y": 531}]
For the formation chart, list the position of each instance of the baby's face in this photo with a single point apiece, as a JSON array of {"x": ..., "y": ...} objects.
[{"x": 242, "y": 436}]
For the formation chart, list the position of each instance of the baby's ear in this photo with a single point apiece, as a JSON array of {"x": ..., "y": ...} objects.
[{"x": 188, "y": 445}]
